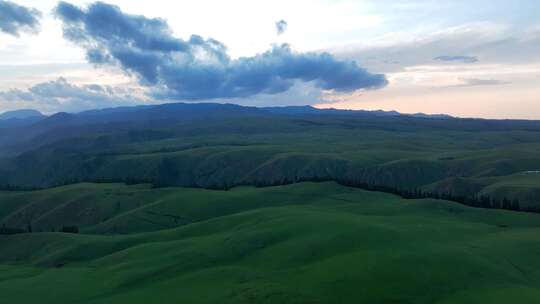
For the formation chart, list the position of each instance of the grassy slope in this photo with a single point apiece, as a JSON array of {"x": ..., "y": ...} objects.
[
  {"x": 223, "y": 153},
  {"x": 522, "y": 186},
  {"x": 303, "y": 243}
]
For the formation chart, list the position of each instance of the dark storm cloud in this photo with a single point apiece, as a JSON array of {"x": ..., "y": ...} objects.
[
  {"x": 281, "y": 26},
  {"x": 15, "y": 18},
  {"x": 200, "y": 68},
  {"x": 462, "y": 59}
]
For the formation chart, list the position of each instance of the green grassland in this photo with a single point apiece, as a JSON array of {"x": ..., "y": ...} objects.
[
  {"x": 464, "y": 157},
  {"x": 299, "y": 243}
]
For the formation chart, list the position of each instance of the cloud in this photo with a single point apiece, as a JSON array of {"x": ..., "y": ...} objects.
[
  {"x": 60, "y": 95},
  {"x": 462, "y": 59},
  {"x": 199, "y": 68},
  {"x": 281, "y": 27},
  {"x": 15, "y": 18},
  {"x": 473, "y": 82},
  {"x": 493, "y": 43}
]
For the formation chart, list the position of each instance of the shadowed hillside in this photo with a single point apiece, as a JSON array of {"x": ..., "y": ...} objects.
[{"x": 222, "y": 146}]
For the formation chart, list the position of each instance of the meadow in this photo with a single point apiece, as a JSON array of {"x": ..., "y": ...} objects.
[{"x": 301, "y": 243}]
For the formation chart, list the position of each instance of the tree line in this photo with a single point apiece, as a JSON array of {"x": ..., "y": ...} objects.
[
  {"x": 5, "y": 230},
  {"x": 478, "y": 201}
]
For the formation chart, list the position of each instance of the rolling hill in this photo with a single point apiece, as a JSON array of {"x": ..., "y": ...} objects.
[{"x": 301, "y": 243}]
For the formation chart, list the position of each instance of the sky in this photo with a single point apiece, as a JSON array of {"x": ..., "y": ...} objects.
[{"x": 475, "y": 58}]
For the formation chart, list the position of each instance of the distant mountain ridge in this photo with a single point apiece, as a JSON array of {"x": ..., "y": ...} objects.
[
  {"x": 291, "y": 110},
  {"x": 378, "y": 113},
  {"x": 185, "y": 112},
  {"x": 148, "y": 111},
  {"x": 20, "y": 118},
  {"x": 21, "y": 114}
]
